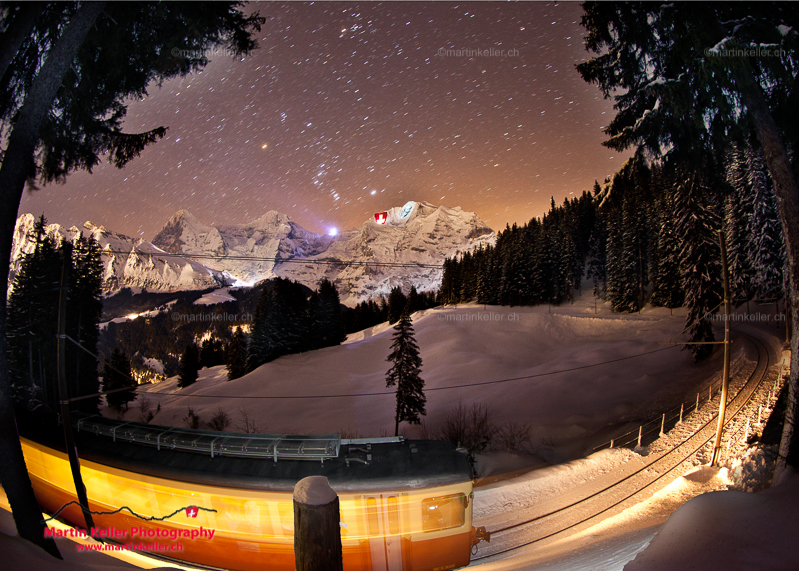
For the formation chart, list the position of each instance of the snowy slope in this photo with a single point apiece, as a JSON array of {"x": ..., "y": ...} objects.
[
  {"x": 127, "y": 262},
  {"x": 465, "y": 346},
  {"x": 425, "y": 235}
]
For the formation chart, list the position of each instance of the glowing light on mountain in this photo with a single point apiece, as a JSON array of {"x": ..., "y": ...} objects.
[{"x": 332, "y": 232}]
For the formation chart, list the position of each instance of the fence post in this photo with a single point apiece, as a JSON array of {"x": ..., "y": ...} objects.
[
  {"x": 710, "y": 393},
  {"x": 317, "y": 533},
  {"x": 663, "y": 424},
  {"x": 611, "y": 443},
  {"x": 697, "y": 401},
  {"x": 682, "y": 406},
  {"x": 640, "y": 432},
  {"x": 759, "y": 411}
]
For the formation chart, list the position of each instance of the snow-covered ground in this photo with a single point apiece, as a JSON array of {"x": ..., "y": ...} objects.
[
  {"x": 525, "y": 364},
  {"x": 216, "y": 296}
]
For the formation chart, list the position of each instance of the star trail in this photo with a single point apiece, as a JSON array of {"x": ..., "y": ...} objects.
[{"x": 350, "y": 108}]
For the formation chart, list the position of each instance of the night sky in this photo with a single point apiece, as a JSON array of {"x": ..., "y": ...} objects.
[{"x": 347, "y": 109}]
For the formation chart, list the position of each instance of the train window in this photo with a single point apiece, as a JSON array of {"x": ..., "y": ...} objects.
[
  {"x": 393, "y": 515},
  {"x": 443, "y": 512},
  {"x": 372, "y": 515}
]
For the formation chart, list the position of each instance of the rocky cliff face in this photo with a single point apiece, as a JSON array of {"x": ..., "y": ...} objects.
[
  {"x": 127, "y": 262},
  {"x": 362, "y": 262}
]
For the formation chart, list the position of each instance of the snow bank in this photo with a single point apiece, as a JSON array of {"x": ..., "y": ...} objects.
[{"x": 728, "y": 530}]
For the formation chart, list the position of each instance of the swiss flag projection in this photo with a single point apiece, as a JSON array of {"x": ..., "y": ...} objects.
[{"x": 380, "y": 217}]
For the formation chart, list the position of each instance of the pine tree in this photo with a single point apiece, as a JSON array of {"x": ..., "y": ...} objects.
[
  {"x": 287, "y": 327},
  {"x": 667, "y": 289},
  {"x": 699, "y": 256},
  {"x": 237, "y": 355},
  {"x": 414, "y": 303},
  {"x": 117, "y": 375},
  {"x": 189, "y": 366},
  {"x": 738, "y": 210},
  {"x": 212, "y": 353},
  {"x": 258, "y": 350},
  {"x": 327, "y": 324},
  {"x": 597, "y": 268},
  {"x": 33, "y": 319},
  {"x": 613, "y": 252},
  {"x": 630, "y": 261},
  {"x": 767, "y": 247},
  {"x": 32, "y": 323},
  {"x": 84, "y": 310},
  {"x": 396, "y": 304},
  {"x": 404, "y": 373}
]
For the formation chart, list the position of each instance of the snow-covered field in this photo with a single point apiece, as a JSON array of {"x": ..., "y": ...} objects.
[{"x": 525, "y": 364}]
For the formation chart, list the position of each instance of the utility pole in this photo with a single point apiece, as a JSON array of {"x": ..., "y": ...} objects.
[
  {"x": 726, "y": 375},
  {"x": 63, "y": 394}
]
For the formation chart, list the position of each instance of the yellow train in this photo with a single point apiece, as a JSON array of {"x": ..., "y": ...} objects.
[{"x": 225, "y": 500}]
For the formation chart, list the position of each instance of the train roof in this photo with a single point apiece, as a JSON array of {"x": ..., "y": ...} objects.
[{"x": 349, "y": 465}]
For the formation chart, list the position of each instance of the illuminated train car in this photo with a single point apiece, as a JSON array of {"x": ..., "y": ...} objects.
[{"x": 404, "y": 504}]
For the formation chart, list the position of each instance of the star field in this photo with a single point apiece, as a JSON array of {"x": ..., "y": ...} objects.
[{"x": 347, "y": 109}]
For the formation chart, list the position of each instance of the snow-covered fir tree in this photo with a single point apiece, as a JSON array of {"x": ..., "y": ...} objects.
[
  {"x": 738, "y": 210},
  {"x": 767, "y": 246},
  {"x": 700, "y": 263},
  {"x": 667, "y": 289},
  {"x": 597, "y": 269}
]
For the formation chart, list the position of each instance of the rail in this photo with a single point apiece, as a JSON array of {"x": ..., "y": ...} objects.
[{"x": 273, "y": 446}]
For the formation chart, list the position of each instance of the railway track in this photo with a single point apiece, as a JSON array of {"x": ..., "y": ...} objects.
[{"x": 634, "y": 485}]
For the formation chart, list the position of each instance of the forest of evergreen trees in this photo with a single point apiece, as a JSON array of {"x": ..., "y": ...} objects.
[
  {"x": 33, "y": 321},
  {"x": 648, "y": 235}
]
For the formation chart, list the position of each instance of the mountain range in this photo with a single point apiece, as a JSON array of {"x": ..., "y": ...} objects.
[{"x": 401, "y": 246}]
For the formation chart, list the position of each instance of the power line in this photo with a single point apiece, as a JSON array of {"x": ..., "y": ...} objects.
[
  {"x": 450, "y": 387},
  {"x": 322, "y": 261}
]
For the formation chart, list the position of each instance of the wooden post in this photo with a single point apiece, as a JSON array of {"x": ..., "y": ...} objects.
[
  {"x": 726, "y": 375},
  {"x": 640, "y": 431},
  {"x": 682, "y": 407},
  {"x": 317, "y": 533},
  {"x": 663, "y": 424}
]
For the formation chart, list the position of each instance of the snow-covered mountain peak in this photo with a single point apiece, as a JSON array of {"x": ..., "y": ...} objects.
[{"x": 127, "y": 262}]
